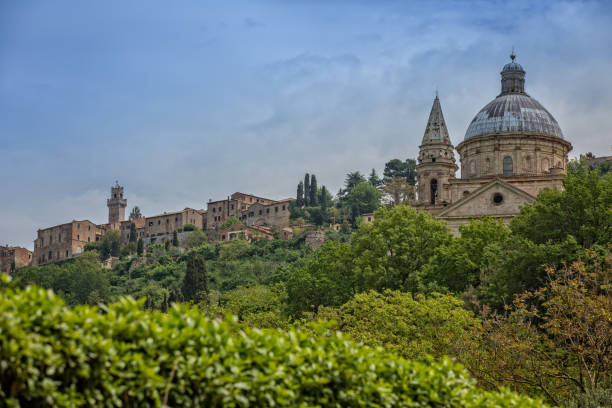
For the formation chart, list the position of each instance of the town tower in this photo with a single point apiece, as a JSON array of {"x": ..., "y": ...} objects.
[{"x": 116, "y": 204}]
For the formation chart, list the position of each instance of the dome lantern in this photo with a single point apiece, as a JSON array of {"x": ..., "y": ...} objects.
[{"x": 513, "y": 77}]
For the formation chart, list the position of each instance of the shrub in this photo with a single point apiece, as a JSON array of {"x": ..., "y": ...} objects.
[
  {"x": 189, "y": 227},
  {"x": 51, "y": 355}
]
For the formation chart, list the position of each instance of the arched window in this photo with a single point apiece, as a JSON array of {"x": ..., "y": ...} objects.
[
  {"x": 507, "y": 166},
  {"x": 434, "y": 190}
]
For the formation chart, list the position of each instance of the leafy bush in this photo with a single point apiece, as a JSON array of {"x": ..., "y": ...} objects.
[
  {"x": 189, "y": 227},
  {"x": 52, "y": 355}
]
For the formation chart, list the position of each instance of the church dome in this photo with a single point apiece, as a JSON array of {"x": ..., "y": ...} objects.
[{"x": 513, "y": 110}]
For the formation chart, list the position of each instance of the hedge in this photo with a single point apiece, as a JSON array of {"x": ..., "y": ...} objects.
[{"x": 123, "y": 356}]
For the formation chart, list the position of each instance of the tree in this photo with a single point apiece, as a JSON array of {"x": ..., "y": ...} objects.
[
  {"x": 300, "y": 194},
  {"x": 398, "y": 191},
  {"x": 459, "y": 264},
  {"x": 258, "y": 306},
  {"x": 313, "y": 199},
  {"x": 411, "y": 173},
  {"x": 351, "y": 181},
  {"x": 306, "y": 189},
  {"x": 400, "y": 241},
  {"x": 326, "y": 280},
  {"x": 110, "y": 244},
  {"x": 175, "y": 241},
  {"x": 195, "y": 282},
  {"x": 135, "y": 213},
  {"x": 363, "y": 198},
  {"x": 374, "y": 180},
  {"x": 140, "y": 247},
  {"x": 555, "y": 340},
  {"x": 133, "y": 233},
  {"x": 324, "y": 202},
  {"x": 195, "y": 239},
  {"x": 581, "y": 210},
  {"x": 400, "y": 169},
  {"x": 410, "y": 326}
]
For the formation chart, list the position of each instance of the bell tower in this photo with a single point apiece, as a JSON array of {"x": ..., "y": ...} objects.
[
  {"x": 436, "y": 162},
  {"x": 116, "y": 204}
]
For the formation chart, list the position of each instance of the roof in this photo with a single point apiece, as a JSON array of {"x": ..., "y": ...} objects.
[{"x": 436, "y": 130}]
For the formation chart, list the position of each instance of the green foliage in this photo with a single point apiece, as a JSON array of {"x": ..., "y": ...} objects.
[
  {"x": 51, "y": 355},
  {"x": 459, "y": 264},
  {"x": 189, "y": 227},
  {"x": 256, "y": 306},
  {"x": 363, "y": 198},
  {"x": 195, "y": 282},
  {"x": 306, "y": 189},
  {"x": 75, "y": 280},
  {"x": 300, "y": 194},
  {"x": 374, "y": 180},
  {"x": 582, "y": 210},
  {"x": 400, "y": 169},
  {"x": 175, "y": 241},
  {"x": 133, "y": 233},
  {"x": 351, "y": 181},
  {"x": 326, "y": 280},
  {"x": 195, "y": 239},
  {"x": 135, "y": 213},
  {"x": 110, "y": 244},
  {"x": 140, "y": 247},
  {"x": 390, "y": 252},
  {"x": 410, "y": 326},
  {"x": 229, "y": 221},
  {"x": 313, "y": 199}
]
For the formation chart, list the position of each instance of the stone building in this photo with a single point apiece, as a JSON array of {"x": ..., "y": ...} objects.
[
  {"x": 250, "y": 209},
  {"x": 512, "y": 149},
  {"x": 248, "y": 233},
  {"x": 13, "y": 258},
  {"x": 64, "y": 241}
]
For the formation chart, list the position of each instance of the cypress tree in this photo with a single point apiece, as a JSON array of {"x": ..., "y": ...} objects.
[
  {"x": 175, "y": 239},
  {"x": 133, "y": 233},
  {"x": 140, "y": 247},
  {"x": 324, "y": 203},
  {"x": 300, "y": 194},
  {"x": 307, "y": 190},
  {"x": 195, "y": 282},
  {"x": 313, "y": 191}
]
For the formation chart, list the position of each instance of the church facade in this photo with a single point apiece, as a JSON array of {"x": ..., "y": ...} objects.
[{"x": 512, "y": 149}]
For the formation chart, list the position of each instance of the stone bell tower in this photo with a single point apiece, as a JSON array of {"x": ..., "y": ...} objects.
[
  {"x": 116, "y": 204},
  {"x": 436, "y": 162}
]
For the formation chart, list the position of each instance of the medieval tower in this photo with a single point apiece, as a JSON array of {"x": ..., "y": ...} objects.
[
  {"x": 436, "y": 162},
  {"x": 116, "y": 205}
]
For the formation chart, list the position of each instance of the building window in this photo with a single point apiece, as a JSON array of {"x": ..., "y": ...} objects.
[
  {"x": 498, "y": 198},
  {"x": 260, "y": 212},
  {"x": 78, "y": 237},
  {"x": 79, "y": 226},
  {"x": 275, "y": 209},
  {"x": 88, "y": 239},
  {"x": 89, "y": 228},
  {"x": 433, "y": 190},
  {"x": 158, "y": 222},
  {"x": 283, "y": 208},
  {"x": 214, "y": 209},
  {"x": 66, "y": 253},
  {"x": 232, "y": 206},
  {"x": 220, "y": 209},
  {"x": 507, "y": 166},
  {"x": 267, "y": 211},
  {"x": 50, "y": 255}
]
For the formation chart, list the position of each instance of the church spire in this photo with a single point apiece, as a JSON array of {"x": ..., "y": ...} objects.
[{"x": 436, "y": 130}]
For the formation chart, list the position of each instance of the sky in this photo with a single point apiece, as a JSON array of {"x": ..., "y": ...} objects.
[{"x": 183, "y": 102}]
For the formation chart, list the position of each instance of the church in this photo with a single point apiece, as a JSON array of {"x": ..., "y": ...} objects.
[{"x": 512, "y": 149}]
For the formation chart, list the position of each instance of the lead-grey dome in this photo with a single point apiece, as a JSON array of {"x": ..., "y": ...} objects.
[
  {"x": 513, "y": 110},
  {"x": 513, "y": 113}
]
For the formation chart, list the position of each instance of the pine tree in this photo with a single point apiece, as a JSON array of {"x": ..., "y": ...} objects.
[
  {"x": 195, "y": 283},
  {"x": 300, "y": 194},
  {"x": 140, "y": 247},
  {"x": 313, "y": 191},
  {"x": 175, "y": 241},
  {"x": 133, "y": 233},
  {"x": 374, "y": 180},
  {"x": 307, "y": 189}
]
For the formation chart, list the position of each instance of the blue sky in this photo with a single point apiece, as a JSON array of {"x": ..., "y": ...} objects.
[{"x": 191, "y": 100}]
